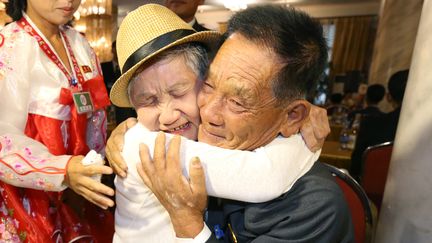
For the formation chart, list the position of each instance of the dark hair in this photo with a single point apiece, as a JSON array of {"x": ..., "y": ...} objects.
[
  {"x": 397, "y": 85},
  {"x": 14, "y": 8},
  {"x": 375, "y": 93},
  {"x": 295, "y": 38}
]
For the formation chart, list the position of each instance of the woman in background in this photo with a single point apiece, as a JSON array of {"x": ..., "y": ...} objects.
[{"x": 52, "y": 113}]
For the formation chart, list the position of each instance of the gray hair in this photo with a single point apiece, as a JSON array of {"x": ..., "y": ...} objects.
[{"x": 196, "y": 59}]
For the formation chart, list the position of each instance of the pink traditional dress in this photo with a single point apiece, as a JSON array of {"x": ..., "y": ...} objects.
[{"x": 41, "y": 126}]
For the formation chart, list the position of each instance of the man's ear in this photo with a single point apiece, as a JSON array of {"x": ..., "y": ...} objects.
[{"x": 296, "y": 112}]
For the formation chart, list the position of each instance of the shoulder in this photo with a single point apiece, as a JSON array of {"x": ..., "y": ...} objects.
[
  {"x": 318, "y": 188},
  {"x": 371, "y": 123},
  {"x": 315, "y": 189},
  {"x": 12, "y": 35},
  {"x": 314, "y": 208},
  {"x": 15, "y": 46},
  {"x": 315, "y": 193}
]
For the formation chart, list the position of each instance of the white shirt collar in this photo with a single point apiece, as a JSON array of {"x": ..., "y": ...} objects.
[{"x": 191, "y": 23}]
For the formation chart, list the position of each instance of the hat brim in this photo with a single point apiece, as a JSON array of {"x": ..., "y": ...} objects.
[{"x": 119, "y": 94}]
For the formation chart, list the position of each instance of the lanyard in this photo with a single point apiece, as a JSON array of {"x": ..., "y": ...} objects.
[{"x": 25, "y": 25}]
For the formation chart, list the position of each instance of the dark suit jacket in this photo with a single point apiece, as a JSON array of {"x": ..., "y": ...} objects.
[
  {"x": 366, "y": 112},
  {"x": 373, "y": 130},
  {"x": 110, "y": 76},
  {"x": 313, "y": 210},
  {"x": 199, "y": 27}
]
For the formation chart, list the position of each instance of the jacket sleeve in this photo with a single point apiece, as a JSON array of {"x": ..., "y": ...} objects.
[{"x": 24, "y": 162}]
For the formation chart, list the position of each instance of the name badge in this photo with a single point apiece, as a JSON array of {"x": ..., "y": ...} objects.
[{"x": 83, "y": 102}]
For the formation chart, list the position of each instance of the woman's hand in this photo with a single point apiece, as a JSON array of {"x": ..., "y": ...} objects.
[
  {"x": 315, "y": 128},
  {"x": 184, "y": 199},
  {"x": 78, "y": 178},
  {"x": 115, "y": 146}
]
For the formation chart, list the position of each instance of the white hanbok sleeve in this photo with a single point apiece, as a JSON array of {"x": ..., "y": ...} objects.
[
  {"x": 24, "y": 162},
  {"x": 250, "y": 176}
]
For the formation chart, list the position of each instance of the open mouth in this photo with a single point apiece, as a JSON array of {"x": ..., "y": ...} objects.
[{"x": 179, "y": 129}]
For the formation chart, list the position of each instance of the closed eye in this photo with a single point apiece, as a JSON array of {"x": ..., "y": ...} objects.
[
  {"x": 178, "y": 94},
  {"x": 236, "y": 105},
  {"x": 147, "y": 101},
  {"x": 207, "y": 87}
]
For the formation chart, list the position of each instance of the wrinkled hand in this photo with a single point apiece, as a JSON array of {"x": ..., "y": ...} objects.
[
  {"x": 185, "y": 200},
  {"x": 115, "y": 146},
  {"x": 315, "y": 128},
  {"x": 78, "y": 178}
]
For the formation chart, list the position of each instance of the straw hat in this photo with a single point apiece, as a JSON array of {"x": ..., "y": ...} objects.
[{"x": 143, "y": 34}]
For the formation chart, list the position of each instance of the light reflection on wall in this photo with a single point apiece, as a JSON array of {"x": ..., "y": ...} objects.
[{"x": 94, "y": 20}]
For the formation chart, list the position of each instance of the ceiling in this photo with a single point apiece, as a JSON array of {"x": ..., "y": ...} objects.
[
  {"x": 213, "y": 13},
  {"x": 124, "y": 6}
]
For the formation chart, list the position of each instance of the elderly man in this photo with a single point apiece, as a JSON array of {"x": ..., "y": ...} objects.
[{"x": 254, "y": 91}]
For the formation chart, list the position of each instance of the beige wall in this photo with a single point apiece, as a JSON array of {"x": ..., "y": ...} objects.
[
  {"x": 397, "y": 29},
  {"x": 406, "y": 214}
]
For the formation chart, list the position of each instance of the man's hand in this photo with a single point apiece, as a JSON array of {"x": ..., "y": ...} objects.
[
  {"x": 315, "y": 128},
  {"x": 78, "y": 178},
  {"x": 115, "y": 146},
  {"x": 185, "y": 200}
]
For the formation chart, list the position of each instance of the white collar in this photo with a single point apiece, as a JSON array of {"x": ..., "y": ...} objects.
[{"x": 191, "y": 23}]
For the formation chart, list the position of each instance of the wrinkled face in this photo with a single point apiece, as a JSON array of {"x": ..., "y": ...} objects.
[
  {"x": 56, "y": 12},
  {"x": 165, "y": 97},
  {"x": 238, "y": 110},
  {"x": 185, "y": 9}
]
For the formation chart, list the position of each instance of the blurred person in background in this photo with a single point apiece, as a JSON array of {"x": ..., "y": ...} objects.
[
  {"x": 111, "y": 72},
  {"x": 374, "y": 94},
  {"x": 186, "y": 10},
  {"x": 111, "y": 69},
  {"x": 336, "y": 111},
  {"x": 44, "y": 132},
  {"x": 382, "y": 128}
]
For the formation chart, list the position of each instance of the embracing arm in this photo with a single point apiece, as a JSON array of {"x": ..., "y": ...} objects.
[
  {"x": 314, "y": 131},
  {"x": 252, "y": 176}
]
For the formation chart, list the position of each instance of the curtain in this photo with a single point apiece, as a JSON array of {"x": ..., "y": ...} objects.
[{"x": 353, "y": 44}]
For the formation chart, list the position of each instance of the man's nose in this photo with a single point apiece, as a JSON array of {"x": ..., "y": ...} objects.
[
  {"x": 211, "y": 111},
  {"x": 169, "y": 114}
]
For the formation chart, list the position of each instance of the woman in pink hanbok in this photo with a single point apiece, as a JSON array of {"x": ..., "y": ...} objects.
[{"x": 52, "y": 112}]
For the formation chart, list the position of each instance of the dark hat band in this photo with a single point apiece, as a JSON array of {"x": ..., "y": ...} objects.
[{"x": 155, "y": 45}]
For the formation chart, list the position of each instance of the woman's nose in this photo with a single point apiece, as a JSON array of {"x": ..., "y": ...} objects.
[{"x": 169, "y": 114}]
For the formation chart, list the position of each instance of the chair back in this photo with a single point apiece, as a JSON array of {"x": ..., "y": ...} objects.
[
  {"x": 358, "y": 203},
  {"x": 376, "y": 162}
]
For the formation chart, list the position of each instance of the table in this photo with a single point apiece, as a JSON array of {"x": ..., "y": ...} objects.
[
  {"x": 335, "y": 131},
  {"x": 332, "y": 154}
]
